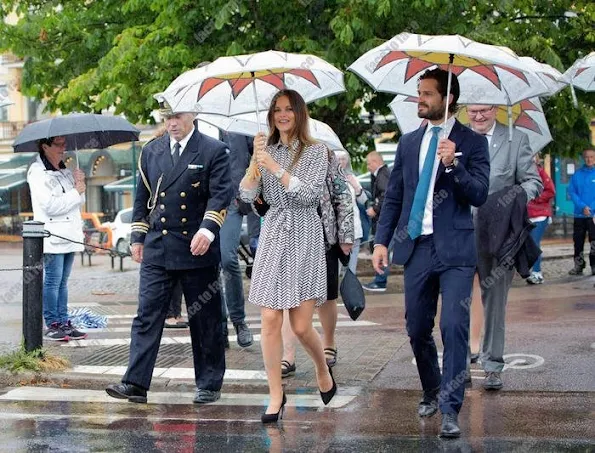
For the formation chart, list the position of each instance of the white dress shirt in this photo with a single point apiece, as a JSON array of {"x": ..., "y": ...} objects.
[
  {"x": 427, "y": 226},
  {"x": 183, "y": 142},
  {"x": 489, "y": 134}
]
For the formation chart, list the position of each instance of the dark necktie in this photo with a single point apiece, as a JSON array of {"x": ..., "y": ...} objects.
[{"x": 175, "y": 157}]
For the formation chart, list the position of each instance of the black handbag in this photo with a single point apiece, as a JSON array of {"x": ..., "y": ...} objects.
[
  {"x": 352, "y": 294},
  {"x": 261, "y": 206}
]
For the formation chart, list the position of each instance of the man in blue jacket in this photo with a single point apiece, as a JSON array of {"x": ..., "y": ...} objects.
[
  {"x": 434, "y": 183},
  {"x": 582, "y": 193}
]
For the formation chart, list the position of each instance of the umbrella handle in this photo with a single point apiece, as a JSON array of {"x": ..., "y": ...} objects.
[{"x": 450, "y": 62}]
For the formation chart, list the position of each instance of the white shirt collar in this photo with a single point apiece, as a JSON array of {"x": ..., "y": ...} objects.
[
  {"x": 450, "y": 122},
  {"x": 183, "y": 142},
  {"x": 491, "y": 131}
]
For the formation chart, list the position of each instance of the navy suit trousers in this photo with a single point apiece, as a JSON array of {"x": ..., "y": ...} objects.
[
  {"x": 202, "y": 293},
  {"x": 425, "y": 278}
]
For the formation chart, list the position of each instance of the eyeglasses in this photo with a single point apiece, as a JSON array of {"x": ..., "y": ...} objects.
[{"x": 482, "y": 112}]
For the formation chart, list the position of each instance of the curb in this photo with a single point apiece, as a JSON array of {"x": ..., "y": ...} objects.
[{"x": 85, "y": 381}]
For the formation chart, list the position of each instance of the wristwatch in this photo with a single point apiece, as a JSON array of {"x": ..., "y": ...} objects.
[
  {"x": 279, "y": 173},
  {"x": 453, "y": 164}
]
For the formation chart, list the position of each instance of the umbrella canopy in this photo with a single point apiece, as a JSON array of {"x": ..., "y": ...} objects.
[
  {"x": 527, "y": 116},
  {"x": 248, "y": 124},
  {"x": 81, "y": 130},
  {"x": 552, "y": 78},
  {"x": 487, "y": 74},
  {"x": 246, "y": 83},
  {"x": 582, "y": 73}
]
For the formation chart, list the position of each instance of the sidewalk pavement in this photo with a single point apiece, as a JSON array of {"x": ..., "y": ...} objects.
[{"x": 365, "y": 346}]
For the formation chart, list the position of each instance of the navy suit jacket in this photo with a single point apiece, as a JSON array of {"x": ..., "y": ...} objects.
[
  {"x": 173, "y": 202},
  {"x": 454, "y": 194}
]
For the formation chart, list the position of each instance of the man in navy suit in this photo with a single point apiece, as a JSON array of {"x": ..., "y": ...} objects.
[
  {"x": 182, "y": 195},
  {"x": 434, "y": 183}
]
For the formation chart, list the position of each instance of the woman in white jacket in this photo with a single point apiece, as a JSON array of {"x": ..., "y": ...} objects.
[{"x": 57, "y": 195}]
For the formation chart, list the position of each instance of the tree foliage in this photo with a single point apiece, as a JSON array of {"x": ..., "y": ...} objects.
[{"x": 91, "y": 55}]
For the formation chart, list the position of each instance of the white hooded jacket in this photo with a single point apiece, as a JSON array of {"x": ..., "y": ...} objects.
[{"x": 57, "y": 204}]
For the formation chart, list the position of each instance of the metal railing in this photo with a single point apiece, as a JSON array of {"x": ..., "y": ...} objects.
[{"x": 10, "y": 129}]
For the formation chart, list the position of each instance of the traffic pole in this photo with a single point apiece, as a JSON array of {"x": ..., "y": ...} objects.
[{"x": 33, "y": 234}]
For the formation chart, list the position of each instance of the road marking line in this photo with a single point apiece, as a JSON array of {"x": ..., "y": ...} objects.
[
  {"x": 170, "y": 373},
  {"x": 227, "y": 399},
  {"x": 247, "y": 319},
  {"x": 252, "y": 326}
]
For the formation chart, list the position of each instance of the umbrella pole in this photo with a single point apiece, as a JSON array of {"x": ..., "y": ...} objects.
[
  {"x": 509, "y": 110},
  {"x": 574, "y": 99},
  {"x": 450, "y": 62},
  {"x": 256, "y": 171},
  {"x": 256, "y": 101}
]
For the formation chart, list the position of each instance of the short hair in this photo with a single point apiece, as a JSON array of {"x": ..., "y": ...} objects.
[
  {"x": 45, "y": 141},
  {"x": 441, "y": 78}
]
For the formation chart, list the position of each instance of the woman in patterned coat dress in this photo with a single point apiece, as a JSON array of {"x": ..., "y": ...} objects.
[{"x": 289, "y": 270}]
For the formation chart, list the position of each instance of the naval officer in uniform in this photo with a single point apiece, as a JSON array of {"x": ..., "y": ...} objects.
[{"x": 183, "y": 191}]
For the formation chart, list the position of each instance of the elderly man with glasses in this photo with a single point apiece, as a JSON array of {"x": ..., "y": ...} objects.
[{"x": 511, "y": 163}]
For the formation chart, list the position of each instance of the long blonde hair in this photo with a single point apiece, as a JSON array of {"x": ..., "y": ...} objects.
[{"x": 301, "y": 131}]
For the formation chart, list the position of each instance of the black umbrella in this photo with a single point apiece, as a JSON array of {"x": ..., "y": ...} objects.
[{"x": 81, "y": 130}]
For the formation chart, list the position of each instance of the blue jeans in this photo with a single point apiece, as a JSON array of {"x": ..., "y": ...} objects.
[
  {"x": 537, "y": 234},
  {"x": 57, "y": 267},
  {"x": 233, "y": 288}
]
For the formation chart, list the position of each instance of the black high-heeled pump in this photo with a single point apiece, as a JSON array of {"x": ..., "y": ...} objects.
[
  {"x": 328, "y": 396},
  {"x": 273, "y": 418}
]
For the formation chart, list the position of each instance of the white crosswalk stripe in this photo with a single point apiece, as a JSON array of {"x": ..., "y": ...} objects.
[
  {"x": 230, "y": 326},
  {"x": 227, "y": 399}
]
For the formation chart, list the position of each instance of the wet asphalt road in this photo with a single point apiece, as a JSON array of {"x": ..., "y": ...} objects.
[{"x": 376, "y": 421}]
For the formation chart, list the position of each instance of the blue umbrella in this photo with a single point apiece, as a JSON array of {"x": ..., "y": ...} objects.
[{"x": 81, "y": 130}]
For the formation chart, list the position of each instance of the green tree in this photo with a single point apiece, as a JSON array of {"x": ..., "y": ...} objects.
[{"x": 91, "y": 55}]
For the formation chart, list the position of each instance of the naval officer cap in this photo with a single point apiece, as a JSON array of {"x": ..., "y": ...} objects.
[{"x": 166, "y": 111}]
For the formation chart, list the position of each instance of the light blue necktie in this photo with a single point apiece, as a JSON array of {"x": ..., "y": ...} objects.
[{"x": 416, "y": 216}]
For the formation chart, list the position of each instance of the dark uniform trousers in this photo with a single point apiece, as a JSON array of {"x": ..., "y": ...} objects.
[{"x": 203, "y": 303}]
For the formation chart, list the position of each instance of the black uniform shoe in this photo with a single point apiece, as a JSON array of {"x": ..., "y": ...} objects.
[
  {"x": 576, "y": 270},
  {"x": 203, "y": 396},
  {"x": 244, "y": 335},
  {"x": 428, "y": 406},
  {"x": 450, "y": 426},
  {"x": 130, "y": 392},
  {"x": 492, "y": 381}
]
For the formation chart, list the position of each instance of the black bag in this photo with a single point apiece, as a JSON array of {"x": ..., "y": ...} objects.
[
  {"x": 261, "y": 206},
  {"x": 352, "y": 294}
]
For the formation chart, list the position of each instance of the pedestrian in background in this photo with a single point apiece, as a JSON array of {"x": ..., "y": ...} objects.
[
  {"x": 511, "y": 163},
  {"x": 57, "y": 196},
  {"x": 582, "y": 193},
  {"x": 240, "y": 152},
  {"x": 289, "y": 271},
  {"x": 379, "y": 177},
  {"x": 540, "y": 214},
  {"x": 358, "y": 198}
]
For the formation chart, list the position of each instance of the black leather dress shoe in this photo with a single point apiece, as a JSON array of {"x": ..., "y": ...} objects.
[
  {"x": 203, "y": 396},
  {"x": 450, "y": 426},
  {"x": 427, "y": 407},
  {"x": 492, "y": 381},
  {"x": 130, "y": 392}
]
